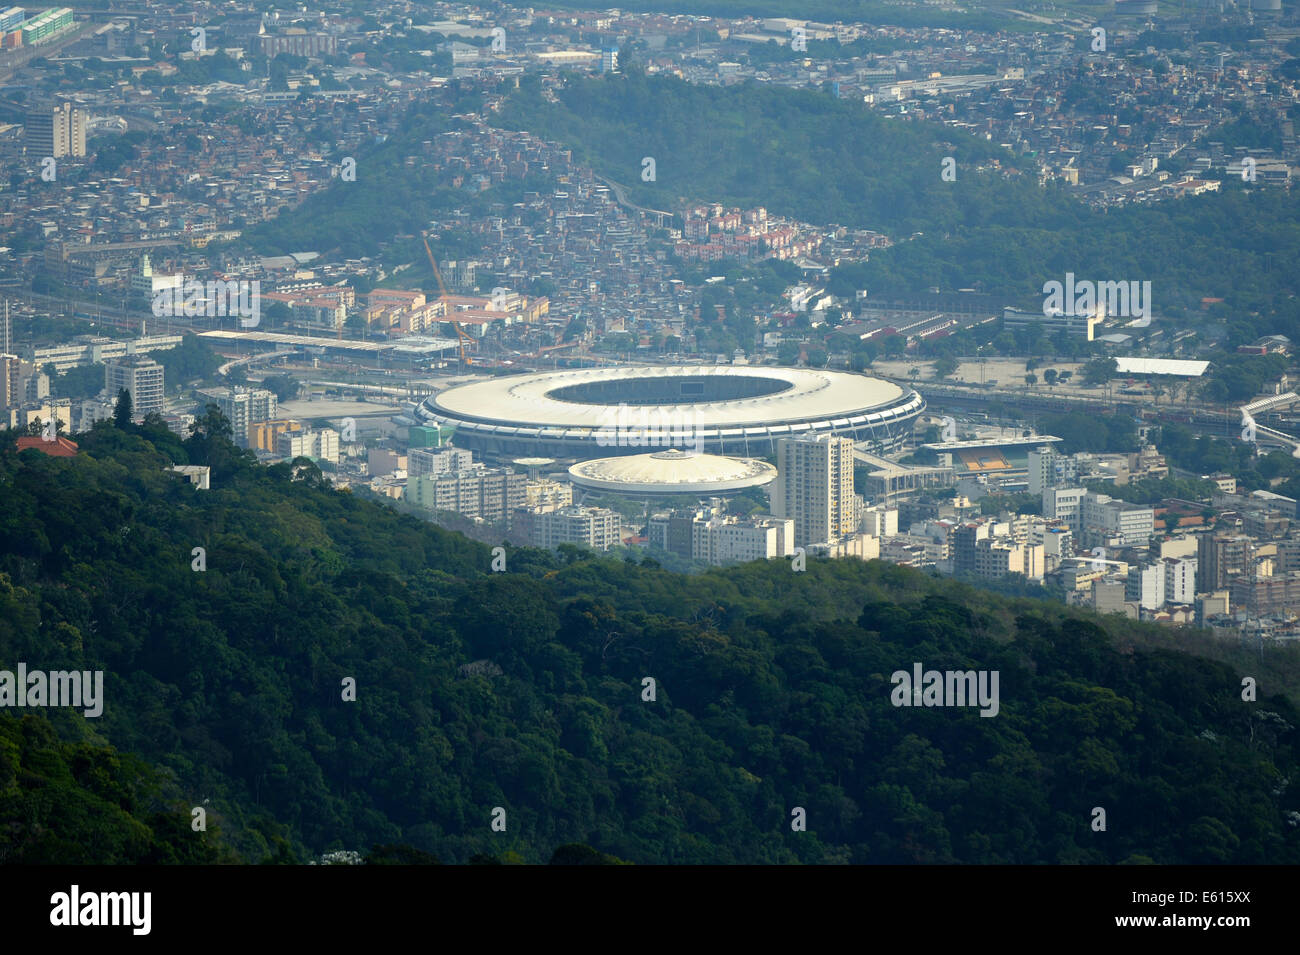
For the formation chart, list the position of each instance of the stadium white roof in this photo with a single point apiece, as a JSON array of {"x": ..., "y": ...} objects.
[
  {"x": 808, "y": 394},
  {"x": 1161, "y": 366}
]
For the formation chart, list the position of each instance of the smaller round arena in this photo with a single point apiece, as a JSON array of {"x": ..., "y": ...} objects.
[{"x": 671, "y": 472}]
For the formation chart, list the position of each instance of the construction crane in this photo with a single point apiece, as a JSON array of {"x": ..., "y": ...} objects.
[{"x": 461, "y": 335}]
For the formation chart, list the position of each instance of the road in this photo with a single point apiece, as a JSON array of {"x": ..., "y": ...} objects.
[
  {"x": 623, "y": 200},
  {"x": 1201, "y": 418}
]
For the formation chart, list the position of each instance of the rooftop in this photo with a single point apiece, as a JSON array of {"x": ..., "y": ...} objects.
[
  {"x": 782, "y": 394},
  {"x": 672, "y": 472}
]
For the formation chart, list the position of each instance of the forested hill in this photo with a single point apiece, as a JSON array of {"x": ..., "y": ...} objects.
[
  {"x": 811, "y": 157},
  {"x": 799, "y": 153},
  {"x": 524, "y": 690}
]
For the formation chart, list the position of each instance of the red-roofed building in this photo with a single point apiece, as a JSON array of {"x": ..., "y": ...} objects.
[{"x": 61, "y": 447}]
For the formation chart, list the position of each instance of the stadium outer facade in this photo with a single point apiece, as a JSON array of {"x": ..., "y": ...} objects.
[{"x": 727, "y": 409}]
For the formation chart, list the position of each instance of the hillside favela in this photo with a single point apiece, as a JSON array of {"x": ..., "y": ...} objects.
[{"x": 730, "y": 433}]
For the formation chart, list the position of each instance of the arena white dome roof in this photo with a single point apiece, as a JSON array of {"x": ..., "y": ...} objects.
[{"x": 672, "y": 472}]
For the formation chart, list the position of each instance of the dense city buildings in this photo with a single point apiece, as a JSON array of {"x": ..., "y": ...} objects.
[{"x": 712, "y": 372}]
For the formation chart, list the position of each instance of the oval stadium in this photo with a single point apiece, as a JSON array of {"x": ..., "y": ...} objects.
[{"x": 727, "y": 409}]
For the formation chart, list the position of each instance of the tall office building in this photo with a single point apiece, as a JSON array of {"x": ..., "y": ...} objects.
[
  {"x": 142, "y": 378},
  {"x": 814, "y": 488},
  {"x": 55, "y": 131}
]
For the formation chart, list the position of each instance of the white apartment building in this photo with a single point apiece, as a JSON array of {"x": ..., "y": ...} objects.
[
  {"x": 1131, "y": 523},
  {"x": 861, "y": 546},
  {"x": 1145, "y": 586},
  {"x": 1057, "y": 541},
  {"x": 596, "y": 527},
  {"x": 1051, "y": 468},
  {"x": 141, "y": 377},
  {"x": 304, "y": 443},
  {"x": 548, "y": 494},
  {"x": 814, "y": 488},
  {"x": 879, "y": 521},
  {"x": 491, "y": 494},
  {"x": 422, "y": 461},
  {"x": 91, "y": 350},
  {"x": 1062, "y": 504},
  {"x": 242, "y": 407},
  {"x": 722, "y": 540},
  {"x": 999, "y": 556},
  {"x": 1099, "y": 516},
  {"x": 1180, "y": 580}
]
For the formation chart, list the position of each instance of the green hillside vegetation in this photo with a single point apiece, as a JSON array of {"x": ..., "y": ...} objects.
[
  {"x": 82, "y": 803},
  {"x": 523, "y": 690},
  {"x": 800, "y": 153}
]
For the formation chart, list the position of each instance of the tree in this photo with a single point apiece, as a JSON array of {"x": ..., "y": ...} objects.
[
  {"x": 1050, "y": 377},
  {"x": 1031, "y": 379},
  {"x": 945, "y": 367},
  {"x": 122, "y": 412},
  {"x": 577, "y": 853},
  {"x": 1100, "y": 370},
  {"x": 285, "y": 386},
  {"x": 278, "y": 315}
]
